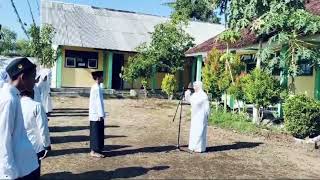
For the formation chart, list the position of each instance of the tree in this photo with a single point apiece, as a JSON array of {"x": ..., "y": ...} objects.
[
  {"x": 169, "y": 85},
  {"x": 41, "y": 44},
  {"x": 201, "y": 10},
  {"x": 166, "y": 50},
  {"x": 7, "y": 42},
  {"x": 262, "y": 90},
  {"x": 168, "y": 46},
  {"x": 211, "y": 74},
  {"x": 140, "y": 66},
  {"x": 290, "y": 24},
  {"x": 233, "y": 65},
  {"x": 23, "y": 48}
]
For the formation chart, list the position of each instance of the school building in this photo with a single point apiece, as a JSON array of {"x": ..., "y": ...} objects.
[
  {"x": 308, "y": 81},
  {"x": 91, "y": 38}
]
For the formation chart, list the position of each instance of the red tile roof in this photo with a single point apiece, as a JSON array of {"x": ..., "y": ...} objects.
[{"x": 247, "y": 37}]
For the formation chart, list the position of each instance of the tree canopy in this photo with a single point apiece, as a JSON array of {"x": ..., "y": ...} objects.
[
  {"x": 7, "y": 41},
  {"x": 201, "y": 10},
  {"x": 166, "y": 50}
]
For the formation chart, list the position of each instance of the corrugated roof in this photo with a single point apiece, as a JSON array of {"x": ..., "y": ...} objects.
[
  {"x": 247, "y": 37},
  {"x": 93, "y": 27}
]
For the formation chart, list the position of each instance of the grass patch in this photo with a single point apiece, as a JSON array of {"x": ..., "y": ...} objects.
[{"x": 238, "y": 122}]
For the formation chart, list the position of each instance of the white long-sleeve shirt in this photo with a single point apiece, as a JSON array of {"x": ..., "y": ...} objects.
[
  {"x": 37, "y": 94},
  {"x": 17, "y": 157},
  {"x": 96, "y": 105},
  {"x": 36, "y": 124}
]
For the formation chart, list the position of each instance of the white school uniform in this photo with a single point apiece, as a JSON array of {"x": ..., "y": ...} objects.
[
  {"x": 4, "y": 78},
  {"x": 17, "y": 157},
  {"x": 36, "y": 124},
  {"x": 44, "y": 87},
  {"x": 96, "y": 105},
  {"x": 37, "y": 94}
]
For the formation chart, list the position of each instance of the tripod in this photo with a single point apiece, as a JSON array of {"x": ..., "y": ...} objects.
[{"x": 180, "y": 117}]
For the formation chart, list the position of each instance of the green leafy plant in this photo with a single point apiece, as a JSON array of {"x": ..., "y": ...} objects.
[
  {"x": 211, "y": 74},
  {"x": 201, "y": 10},
  {"x": 262, "y": 90},
  {"x": 7, "y": 43},
  {"x": 23, "y": 48},
  {"x": 169, "y": 85},
  {"x": 139, "y": 66},
  {"x": 302, "y": 116},
  {"x": 41, "y": 44}
]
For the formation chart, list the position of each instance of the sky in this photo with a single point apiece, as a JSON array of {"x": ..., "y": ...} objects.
[{"x": 9, "y": 19}]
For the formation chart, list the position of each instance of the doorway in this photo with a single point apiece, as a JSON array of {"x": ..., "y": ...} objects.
[{"x": 118, "y": 62}]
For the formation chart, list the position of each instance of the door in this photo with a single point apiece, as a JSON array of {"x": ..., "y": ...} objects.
[{"x": 118, "y": 61}]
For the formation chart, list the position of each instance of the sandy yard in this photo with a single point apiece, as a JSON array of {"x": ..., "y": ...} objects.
[{"x": 140, "y": 140}]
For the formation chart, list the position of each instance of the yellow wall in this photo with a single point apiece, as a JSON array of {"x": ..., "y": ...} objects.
[
  {"x": 305, "y": 84},
  {"x": 79, "y": 77}
]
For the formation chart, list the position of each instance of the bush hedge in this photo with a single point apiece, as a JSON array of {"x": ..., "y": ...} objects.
[{"x": 302, "y": 116}]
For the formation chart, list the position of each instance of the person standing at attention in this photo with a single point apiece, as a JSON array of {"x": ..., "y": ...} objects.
[
  {"x": 200, "y": 110},
  {"x": 36, "y": 91},
  {"x": 36, "y": 124},
  {"x": 96, "y": 116},
  {"x": 17, "y": 157}
]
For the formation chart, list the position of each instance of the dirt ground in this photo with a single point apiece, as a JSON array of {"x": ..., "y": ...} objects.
[{"x": 140, "y": 143}]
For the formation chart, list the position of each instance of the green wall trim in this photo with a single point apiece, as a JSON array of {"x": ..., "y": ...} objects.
[
  {"x": 105, "y": 65},
  {"x": 193, "y": 71},
  {"x": 110, "y": 61},
  {"x": 199, "y": 67},
  {"x": 59, "y": 67},
  {"x": 283, "y": 79},
  {"x": 154, "y": 78},
  {"x": 317, "y": 83}
]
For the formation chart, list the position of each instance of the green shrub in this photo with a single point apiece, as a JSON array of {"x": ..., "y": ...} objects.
[
  {"x": 169, "y": 85},
  {"x": 302, "y": 116}
]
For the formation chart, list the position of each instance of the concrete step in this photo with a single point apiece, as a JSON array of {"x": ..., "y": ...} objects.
[{"x": 110, "y": 93}]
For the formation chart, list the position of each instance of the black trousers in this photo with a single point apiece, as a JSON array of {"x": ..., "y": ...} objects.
[
  {"x": 97, "y": 136},
  {"x": 35, "y": 175},
  {"x": 40, "y": 154}
]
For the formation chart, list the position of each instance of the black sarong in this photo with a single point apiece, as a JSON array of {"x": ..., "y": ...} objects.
[{"x": 97, "y": 136}]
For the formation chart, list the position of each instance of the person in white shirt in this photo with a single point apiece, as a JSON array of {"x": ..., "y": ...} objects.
[
  {"x": 3, "y": 78},
  {"x": 96, "y": 116},
  {"x": 200, "y": 110},
  {"x": 36, "y": 124},
  {"x": 17, "y": 156},
  {"x": 44, "y": 87},
  {"x": 36, "y": 90}
]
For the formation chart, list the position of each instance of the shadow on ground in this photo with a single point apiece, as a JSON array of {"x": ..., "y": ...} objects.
[
  {"x": 75, "y": 128},
  {"x": 78, "y": 138},
  {"x": 235, "y": 146},
  {"x": 69, "y": 112},
  {"x": 156, "y": 149},
  {"x": 62, "y": 152},
  {"x": 128, "y": 172}
]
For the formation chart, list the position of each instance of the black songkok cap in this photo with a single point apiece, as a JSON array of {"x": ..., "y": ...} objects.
[
  {"x": 19, "y": 66},
  {"x": 96, "y": 74}
]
